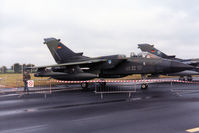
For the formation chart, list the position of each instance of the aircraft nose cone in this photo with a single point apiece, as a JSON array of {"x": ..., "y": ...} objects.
[{"x": 178, "y": 66}]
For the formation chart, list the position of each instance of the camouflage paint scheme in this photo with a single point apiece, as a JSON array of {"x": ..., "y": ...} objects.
[{"x": 76, "y": 66}]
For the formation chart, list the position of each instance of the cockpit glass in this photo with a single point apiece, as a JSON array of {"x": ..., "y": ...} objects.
[{"x": 144, "y": 55}]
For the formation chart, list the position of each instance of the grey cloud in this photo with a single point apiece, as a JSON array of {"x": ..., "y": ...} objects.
[{"x": 98, "y": 27}]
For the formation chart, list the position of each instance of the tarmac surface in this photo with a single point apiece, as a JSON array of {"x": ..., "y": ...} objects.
[{"x": 160, "y": 109}]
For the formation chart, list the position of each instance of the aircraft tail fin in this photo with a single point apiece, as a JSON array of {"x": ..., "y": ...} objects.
[
  {"x": 151, "y": 49},
  {"x": 60, "y": 52}
]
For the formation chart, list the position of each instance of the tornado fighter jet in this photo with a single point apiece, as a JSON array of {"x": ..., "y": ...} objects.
[
  {"x": 188, "y": 73},
  {"x": 72, "y": 66}
]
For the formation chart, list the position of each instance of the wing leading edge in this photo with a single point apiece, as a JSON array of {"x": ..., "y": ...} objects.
[{"x": 72, "y": 63}]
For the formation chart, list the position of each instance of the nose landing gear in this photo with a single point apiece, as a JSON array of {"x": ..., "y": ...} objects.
[
  {"x": 144, "y": 86},
  {"x": 84, "y": 86}
]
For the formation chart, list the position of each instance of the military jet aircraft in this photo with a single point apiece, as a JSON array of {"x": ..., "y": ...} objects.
[
  {"x": 188, "y": 73},
  {"x": 76, "y": 66}
]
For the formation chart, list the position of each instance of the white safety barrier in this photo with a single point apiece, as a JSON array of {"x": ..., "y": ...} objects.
[
  {"x": 126, "y": 81},
  {"x": 45, "y": 86},
  {"x": 125, "y": 86}
]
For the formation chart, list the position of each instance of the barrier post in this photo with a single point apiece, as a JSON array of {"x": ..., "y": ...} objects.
[
  {"x": 129, "y": 94},
  {"x": 101, "y": 95},
  {"x": 45, "y": 95},
  {"x": 50, "y": 87},
  {"x": 129, "y": 97},
  {"x": 95, "y": 88}
]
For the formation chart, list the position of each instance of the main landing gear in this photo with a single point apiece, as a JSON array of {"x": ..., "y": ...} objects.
[
  {"x": 189, "y": 78},
  {"x": 144, "y": 86},
  {"x": 85, "y": 86},
  {"x": 102, "y": 84}
]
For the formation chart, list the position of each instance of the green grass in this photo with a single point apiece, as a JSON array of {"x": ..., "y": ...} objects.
[
  {"x": 15, "y": 80},
  {"x": 12, "y": 80}
]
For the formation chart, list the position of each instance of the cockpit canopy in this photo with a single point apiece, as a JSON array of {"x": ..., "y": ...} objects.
[
  {"x": 118, "y": 56},
  {"x": 143, "y": 55}
]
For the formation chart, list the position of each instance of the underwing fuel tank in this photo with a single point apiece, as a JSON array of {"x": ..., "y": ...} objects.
[{"x": 67, "y": 76}]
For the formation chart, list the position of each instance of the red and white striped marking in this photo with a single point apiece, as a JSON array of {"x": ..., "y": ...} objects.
[{"x": 127, "y": 81}]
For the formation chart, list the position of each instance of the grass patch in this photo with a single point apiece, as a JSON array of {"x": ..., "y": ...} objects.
[{"x": 16, "y": 80}]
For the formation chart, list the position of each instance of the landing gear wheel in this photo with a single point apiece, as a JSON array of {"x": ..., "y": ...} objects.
[
  {"x": 84, "y": 86},
  {"x": 144, "y": 86},
  {"x": 182, "y": 78},
  {"x": 189, "y": 78},
  {"x": 103, "y": 84}
]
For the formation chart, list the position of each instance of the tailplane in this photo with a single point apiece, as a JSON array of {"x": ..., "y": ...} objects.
[{"x": 61, "y": 53}]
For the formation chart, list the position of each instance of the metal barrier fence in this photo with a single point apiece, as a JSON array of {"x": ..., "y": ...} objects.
[
  {"x": 112, "y": 87},
  {"x": 131, "y": 86},
  {"x": 42, "y": 86}
]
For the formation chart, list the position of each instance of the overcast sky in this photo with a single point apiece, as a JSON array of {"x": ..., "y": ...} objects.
[{"x": 96, "y": 27}]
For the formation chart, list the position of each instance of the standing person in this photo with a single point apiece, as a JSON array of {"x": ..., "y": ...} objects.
[{"x": 26, "y": 77}]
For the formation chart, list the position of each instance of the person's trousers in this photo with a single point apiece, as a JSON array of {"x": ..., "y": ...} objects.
[{"x": 26, "y": 86}]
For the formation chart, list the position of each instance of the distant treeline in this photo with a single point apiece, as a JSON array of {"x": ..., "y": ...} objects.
[{"x": 15, "y": 68}]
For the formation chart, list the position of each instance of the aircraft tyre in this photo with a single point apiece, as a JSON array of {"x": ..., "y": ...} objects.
[
  {"x": 102, "y": 85},
  {"x": 84, "y": 86},
  {"x": 182, "y": 78},
  {"x": 189, "y": 78},
  {"x": 144, "y": 86}
]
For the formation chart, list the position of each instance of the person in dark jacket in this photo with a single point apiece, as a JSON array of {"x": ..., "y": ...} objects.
[{"x": 26, "y": 77}]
